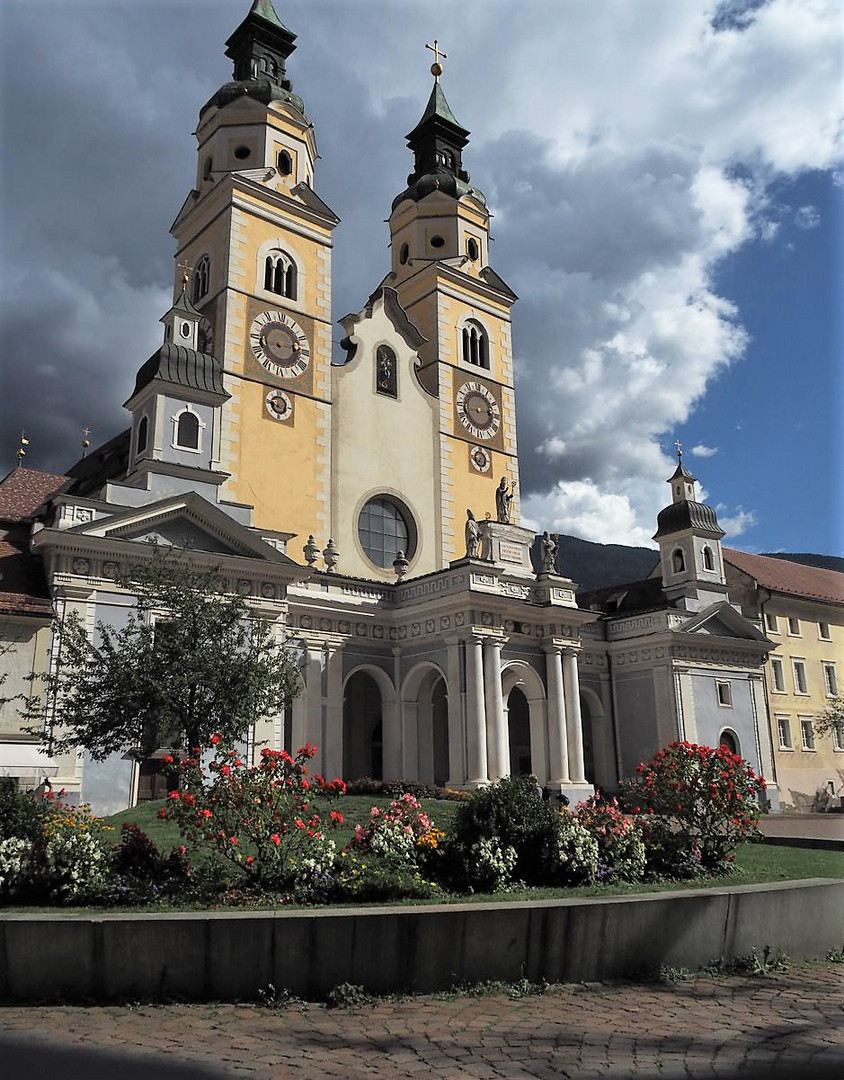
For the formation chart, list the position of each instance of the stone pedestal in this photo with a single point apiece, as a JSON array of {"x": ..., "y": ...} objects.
[{"x": 507, "y": 545}]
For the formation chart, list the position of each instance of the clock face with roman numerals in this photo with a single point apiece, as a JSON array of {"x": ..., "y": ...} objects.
[
  {"x": 478, "y": 410},
  {"x": 279, "y": 344}
]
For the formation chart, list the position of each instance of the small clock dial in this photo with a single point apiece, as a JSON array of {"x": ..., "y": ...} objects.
[
  {"x": 480, "y": 459},
  {"x": 478, "y": 410},
  {"x": 278, "y": 404},
  {"x": 279, "y": 344}
]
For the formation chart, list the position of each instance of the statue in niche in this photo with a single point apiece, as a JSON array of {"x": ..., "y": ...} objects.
[
  {"x": 473, "y": 536},
  {"x": 503, "y": 499},
  {"x": 549, "y": 553}
]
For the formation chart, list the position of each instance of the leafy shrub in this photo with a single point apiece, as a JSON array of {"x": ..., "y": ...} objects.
[
  {"x": 501, "y": 834},
  {"x": 394, "y": 789},
  {"x": 21, "y": 812},
  {"x": 620, "y": 846},
  {"x": 142, "y": 874},
  {"x": 570, "y": 852},
  {"x": 367, "y": 877},
  {"x": 700, "y": 803},
  {"x": 259, "y": 818}
]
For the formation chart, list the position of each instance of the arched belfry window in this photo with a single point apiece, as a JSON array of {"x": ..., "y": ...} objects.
[
  {"x": 708, "y": 560},
  {"x": 280, "y": 274},
  {"x": 678, "y": 561},
  {"x": 187, "y": 430},
  {"x": 201, "y": 279},
  {"x": 475, "y": 345},
  {"x": 143, "y": 435}
]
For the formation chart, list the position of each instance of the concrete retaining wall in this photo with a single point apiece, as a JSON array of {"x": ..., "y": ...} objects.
[{"x": 225, "y": 956}]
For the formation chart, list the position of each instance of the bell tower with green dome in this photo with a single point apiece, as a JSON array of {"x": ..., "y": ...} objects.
[
  {"x": 257, "y": 241},
  {"x": 439, "y": 236},
  {"x": 689, "y": 538}
]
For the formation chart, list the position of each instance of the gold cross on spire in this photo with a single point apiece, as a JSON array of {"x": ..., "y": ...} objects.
[
  {"x": 436, "y": 67},
  {"x": 186, "y": 268},
  {"x": 679, "y": 446}
]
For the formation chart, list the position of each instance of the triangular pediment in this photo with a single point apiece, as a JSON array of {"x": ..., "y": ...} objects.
[
  {"x": 723, "y": 621},
  {"x": 184, "y": 521}
]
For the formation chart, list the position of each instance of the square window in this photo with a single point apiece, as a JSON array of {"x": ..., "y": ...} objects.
[
  {"x": 772, "y": 623},
  {"x": 793, "y": 626},
  {"x": 784, "y": 732},
  {"x": 807, "y": 733},
  {"x": 824, "y": 632},
  {"x": 801, "y": 686},
  {"x": 725, "y": 694},
  {"x": 777, "y": 675}
]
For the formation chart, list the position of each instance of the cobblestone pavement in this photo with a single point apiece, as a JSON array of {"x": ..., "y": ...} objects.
[{"x": 784, "y": 1025}]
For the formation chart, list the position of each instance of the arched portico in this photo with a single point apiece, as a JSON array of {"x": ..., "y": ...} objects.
[
  {"x": 424, "y": 724},
  {"x": 371, "y": 734},
  {"x": 520, "y": 676},
  {"x": 598, "y": 741}
]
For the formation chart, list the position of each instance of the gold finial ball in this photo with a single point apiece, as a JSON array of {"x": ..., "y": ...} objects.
[{"x": 436, "y": 69}]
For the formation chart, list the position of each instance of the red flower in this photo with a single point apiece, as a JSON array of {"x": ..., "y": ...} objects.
[
  {"x": 215, "y": 738},
  {"x": 205, "y": 812},
  {"x": 233, "y": 840},
  {"x": 335, "y": 815},
  {"x": 173, "y": 795},
  {"x": 275, "y": 838},
  {"x": 225, "y": 770},
  {"x": 168, "y": 759},
  {"x": 162, "y": 813},
  {"x": 249, "y": 859}
]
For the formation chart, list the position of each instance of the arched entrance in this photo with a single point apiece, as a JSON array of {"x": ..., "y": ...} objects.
[
  {"x": 363, "y": 739},
  {"x": 518, "y": 724},
  {"x": 425, "y": 725}
]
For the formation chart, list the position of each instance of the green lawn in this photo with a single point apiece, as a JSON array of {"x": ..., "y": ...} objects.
[{"x": 754, "y": 863}]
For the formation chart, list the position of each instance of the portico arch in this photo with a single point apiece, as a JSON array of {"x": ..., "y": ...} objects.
[
  {"x": 424, "y": 724},
  {"x": 371, "y": 735},
  {"x": 598, "y": 741},
  {"x": 519, "y": 675}
]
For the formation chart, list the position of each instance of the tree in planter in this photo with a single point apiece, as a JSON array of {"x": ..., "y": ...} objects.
[{"x": 191, "y": 661}]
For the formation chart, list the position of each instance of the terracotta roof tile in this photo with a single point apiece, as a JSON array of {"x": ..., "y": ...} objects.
[
  {"x": 23, "y": 585},
  {"x": 796, "y": 579},
  {"x": 23, "y": 491}
]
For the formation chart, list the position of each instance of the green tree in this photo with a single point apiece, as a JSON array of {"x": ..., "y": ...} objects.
[
  {"x": 191, "y": 661},
  {"x": 831, "y": 718}
]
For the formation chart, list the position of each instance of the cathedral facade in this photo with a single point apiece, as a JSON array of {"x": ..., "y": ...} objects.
[{"x": 369, "y": 509}]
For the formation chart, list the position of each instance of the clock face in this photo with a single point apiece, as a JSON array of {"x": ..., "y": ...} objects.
[
  {"x": 478, "y": 410},
  {"x": 278, "y": 404},
  {"x": 279, "y": 344},
  {"x": 479, "y": 458}
]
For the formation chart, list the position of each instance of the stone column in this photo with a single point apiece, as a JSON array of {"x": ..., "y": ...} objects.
[
  {"x": 456, "y": 737},
  {"x": 333, "y": 712},
  {"x": 476, "y": 750},
  {"x": 574, "y": 723},
  {"x": 497, "y": 741},
  {"x": 558, "y": 754},
  {"x": 307, "y": 706}
]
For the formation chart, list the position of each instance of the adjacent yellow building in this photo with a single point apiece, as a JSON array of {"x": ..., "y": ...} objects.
[{"x": 801, "y": 608}]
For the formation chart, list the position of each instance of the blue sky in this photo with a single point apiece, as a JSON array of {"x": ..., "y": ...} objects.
[
  {"x": 775, "y": 416},
  {"x": 661, "y": 179}
]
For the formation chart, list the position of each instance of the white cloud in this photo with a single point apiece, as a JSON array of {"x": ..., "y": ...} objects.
[
  {"x": 625, "y": 149},
  {"x": 807, "y": 217},
  {"x": 703, "y": 451},
  {"x": 737, "y": 522}
]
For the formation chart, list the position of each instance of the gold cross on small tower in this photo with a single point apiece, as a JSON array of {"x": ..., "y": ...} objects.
[
  {"x": 186, "y": 268},
  {"x": 679, "y": 446},
  {"x": 86, "y": 442},
  {"x": 436, "y": 67}
]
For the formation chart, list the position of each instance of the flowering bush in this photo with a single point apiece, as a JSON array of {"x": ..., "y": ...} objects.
[
  {"x": 570, "y": 852},
  {"x": 395, "y": 833},
  {"x": 699, "y": 802},
  {"x": 367, "y": 877},
  {"x": 260, "y": 819},
  {"x": 63, "y": 854},
  {"x": 620, "y": 847}
]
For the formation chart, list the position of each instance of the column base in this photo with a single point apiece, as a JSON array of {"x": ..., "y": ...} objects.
[{"x": 575, "y": 793}]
